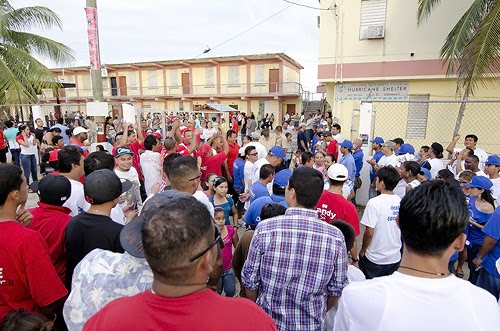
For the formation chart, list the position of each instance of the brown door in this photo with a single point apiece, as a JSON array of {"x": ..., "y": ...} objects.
[
  {"x": 185, "y": 83},
  {"x": 290, "y": 109},
  {"x": 117, "y": 110},
  {"x": 274, "y": 79},
  {"x": 122, "y": 85}
]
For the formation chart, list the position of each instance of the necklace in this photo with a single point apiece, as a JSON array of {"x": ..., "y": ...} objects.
[{"x": 440, "y": 274}]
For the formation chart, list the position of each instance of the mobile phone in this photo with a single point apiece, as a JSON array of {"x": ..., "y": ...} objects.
[{"x": 134, "y": 206}]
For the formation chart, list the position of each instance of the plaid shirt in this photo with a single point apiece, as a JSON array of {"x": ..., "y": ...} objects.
[{"x": 295, "y": 262}]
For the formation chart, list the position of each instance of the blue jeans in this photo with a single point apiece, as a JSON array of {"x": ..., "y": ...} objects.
[
  {"x": 227, "y": 282},
  {"x": 489, "y": 282},
  {"x": 15, "y": 156},
  {"x": 471, "y": 255},
  {"x": 29, "y": 167}
]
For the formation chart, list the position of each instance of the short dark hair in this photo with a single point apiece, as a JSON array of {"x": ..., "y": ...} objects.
[
  {"x": 399, "y": 141},
  {"x": 308, "y": 185},
  {"x": 9, "y": 123},
  {"x": 288, "y": 134},
  {"x": 390, "y": 176},
  {"x": 60, "y": 120},
  {"x": 306, "y": 157},
  {"x": 167, "y": 161},
  {"x": 425, "y": 148},
  {"x": 474, "y": 158},
  {"x": 271, "y": 210},
  {"x": 56, "y": 139},
  {"x": 266, "y": 170},
  {"x": 473, "y": 136},
  {"x": 67, "y": 156},
  {"x": 98, "y": 160},
  {"x": 11, "y": 178},
  {"x": 470, "y": 151},
  {"x": 130, "y": 132},
  {"x": 177, "y": 230},
  {"x": 230, "y": 132},
  {"x": 337, "y": 126},
  {"x": 412, "y": 166},
  {"x": 25, "y": 320},
  {"x": 348, "y": 232},
  {"x": 249, "y": 149},
  {"x": 56, "y": 130},
  {"x": 181, "y": 168},
  {"x": 432, "y": 216},
  {"x": 150, "y": 141}
]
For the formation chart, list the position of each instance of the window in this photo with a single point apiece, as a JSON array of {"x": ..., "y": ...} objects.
[
  {"x": 114, "y": 86},
  {"x": 152, "y": 83},
  {"x": 416, "y": 127},
  {"x": 132, "y": 79},
  {"x": 233, "y": 75},
  {"x": 262, "y": 106},
  {"x": 373, "y": 14},
  {"x": 209, "y": 76},
  {"x": 174, "y": 78},
  {"x": 259, "y": 74},
  {"x": 181, "y": 106}
]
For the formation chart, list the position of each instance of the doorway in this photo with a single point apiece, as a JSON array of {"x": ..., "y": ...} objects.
[
  {"x": 274, "y": 79},
  {"x": 185, "y": 83}
]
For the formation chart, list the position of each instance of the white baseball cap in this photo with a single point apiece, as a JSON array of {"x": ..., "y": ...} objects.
[
  {"x": 79, "y": 129},
  {"x": 338, "y": 172}
]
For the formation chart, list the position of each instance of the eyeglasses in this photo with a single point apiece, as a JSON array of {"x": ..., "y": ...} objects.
[
  {"x": 217, "y": 240},
  {"x": 253, "y": 154},
  {"x": 195, "y": 178}
]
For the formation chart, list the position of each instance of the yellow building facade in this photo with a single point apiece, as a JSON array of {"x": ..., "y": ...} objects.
[
  {"x": 372, "y": 51},
  {"x": 265, "y": 84}
]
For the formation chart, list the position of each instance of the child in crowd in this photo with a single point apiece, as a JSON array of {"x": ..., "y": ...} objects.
[
  {"x": 124, "y": 170},
  {"x": 329, "y": 160},
  {"x": 220, "y": 199},
  {"x": 319, "y": 163},
  {"x": 21, "y": 320},
  {"x": 227, "y": 281},
  {"x": 209, "y": 184},
  {"x": 296, "y": 161}
]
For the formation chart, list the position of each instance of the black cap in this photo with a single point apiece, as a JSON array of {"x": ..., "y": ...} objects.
[
  {"x": 130, "y": 236},
  {"x": 437, "y": 147},
  {"x": 122, "y": 150},
  {"x": 52, "y": 189},
  {"x": 104, "y": 185}
]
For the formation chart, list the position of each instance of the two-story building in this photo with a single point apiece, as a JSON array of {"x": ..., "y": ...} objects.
[
  {"x": 267, "y": 83},
  {"x": 373, "y": 51}
]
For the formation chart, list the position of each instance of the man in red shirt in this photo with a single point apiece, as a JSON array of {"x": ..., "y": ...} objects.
[
  {"x": 51, "y": 218},
  {"x": 28, "y": 279},
  {"x": 211, "y": 163},
  {"x": 333, "y": 206},
  {"x": 232, "y": 155},
  {"x": 181, "y": 245},
  {"x": 332, "y": 145},
  {"x": 189, "y": 145},
  {"x": 80, "y": 134}
]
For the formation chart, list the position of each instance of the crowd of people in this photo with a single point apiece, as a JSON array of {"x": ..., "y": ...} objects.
[{"x": 244, "y": 225}]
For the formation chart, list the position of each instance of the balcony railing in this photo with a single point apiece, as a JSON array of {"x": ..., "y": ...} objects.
[{"x": 237, "y": 90}]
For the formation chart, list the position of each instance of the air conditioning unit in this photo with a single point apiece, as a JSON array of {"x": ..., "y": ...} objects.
[{"x": 375, "y": 32}]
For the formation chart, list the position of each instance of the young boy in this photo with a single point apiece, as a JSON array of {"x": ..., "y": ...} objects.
[
  {"x": 124, "y": 170},
  {"x": 380, "y": 253},
  {"x": 28, "y": 279}
]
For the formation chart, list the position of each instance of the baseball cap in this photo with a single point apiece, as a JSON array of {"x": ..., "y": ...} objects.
[
  {"x": 389, "y": 144},
  {"x": 79, "y": 130},
  {"x": 256, "y": 135},
  {"x": 104, "y": 185},
  {"x": 123, "y": 150},
  {"x": 426, "y": 173},
  {"x": 406, "y": 149},
  {"x": 377, "y": 140},
  {"x": 338, "y": 172},
  {"x": 347, "y": 144},
  {"x": 480, "y": 182},
  {"x": 282, "y": 177},
  {"x": 52, "y": 189},
  {"x": 158, "y": 135},
  {"x": 437, "y": 147},
  {"x": 493, "y": 159},
  {"x": 278, "y": 151},
  {"x": 130, "y": 235}
]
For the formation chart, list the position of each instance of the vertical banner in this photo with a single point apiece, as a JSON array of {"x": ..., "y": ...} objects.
[
  {"x": 365, "y": 122},
  {"x": 37, "y": 113},
  {"x": 93, "y": 37}
]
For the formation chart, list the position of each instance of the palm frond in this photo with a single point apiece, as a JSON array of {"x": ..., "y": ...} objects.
[
  {"x": 482, "y": 55},
  {"x": 425, "y": 8},
  {"x": 31, "y": 17}
]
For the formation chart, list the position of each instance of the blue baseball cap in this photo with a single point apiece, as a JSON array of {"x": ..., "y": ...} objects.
[
  {"x": 426, "y": 173},
  {"x": 493, "y": 159},
  {"x": 347, "y": 144},
  {"x": 406, "y": 149},
  {"x": 377, "y": 140},
  {"x": 278, "y": 151},
  {"x": 282, "y": 177},
  {"x": 480, "y": 182}
]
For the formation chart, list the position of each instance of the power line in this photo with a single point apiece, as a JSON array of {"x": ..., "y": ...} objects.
[{"x": 307, "y": 6}]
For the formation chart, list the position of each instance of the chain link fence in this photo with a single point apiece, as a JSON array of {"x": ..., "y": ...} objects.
[{"x": 424, "y": 122}]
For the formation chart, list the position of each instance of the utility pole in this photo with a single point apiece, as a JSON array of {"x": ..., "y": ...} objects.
[{"x": 95, "y": 58}]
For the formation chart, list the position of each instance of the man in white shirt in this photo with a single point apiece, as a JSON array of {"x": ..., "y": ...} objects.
[
  {"x": 434, "y": 163},
  {"x": 388, "y": 159},
  {"x": 275, "y": 156},
  {"x": 381, "y": 250},
  {"x": 470, "y": 141},
  {"x": 71, "y": 166},
  {"x": 492, "y": 169},
  {"x": 422, "y": 294},
  {"x": 151, "y": 163},
  {"x": 336, "y": 133}
]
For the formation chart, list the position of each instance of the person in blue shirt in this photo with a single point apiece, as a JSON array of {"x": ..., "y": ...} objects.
[
  {"x": 239, "y": 181},
  {"x": 489, "y": 276},
  {"x": 377, "y": 155},
  {"x": 348, "y": 161},
  {"x": 63, "y": 128},
  {"x": 259, "y": 188},
  {"x": 252, "y": 216}
]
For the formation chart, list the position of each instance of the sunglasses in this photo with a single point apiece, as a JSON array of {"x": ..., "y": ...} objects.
[
  {"x": 253, "y": 154},
  {"x": 194, "y": 178},
  {"x": 217, "y": 240}
]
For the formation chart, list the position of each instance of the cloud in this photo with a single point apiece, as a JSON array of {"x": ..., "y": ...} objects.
[{"x": 133, "y": 31}]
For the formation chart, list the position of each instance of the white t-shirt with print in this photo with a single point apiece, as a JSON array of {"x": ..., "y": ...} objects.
[
  {"x": 402, "y": 302},
  {"x": 134, "y": 194},
  {"x": 391, "y": 160},
  {"x": 76, "y": 201},
  {"x": 380, "y": 214}
]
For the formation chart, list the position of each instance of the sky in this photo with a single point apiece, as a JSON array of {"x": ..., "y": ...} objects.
[{"x": 154, "y": 30}]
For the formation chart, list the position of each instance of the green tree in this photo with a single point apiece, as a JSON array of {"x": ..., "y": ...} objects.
[
  {"x": 22, "y": 76},
  {"x": 472, "y": 48}
]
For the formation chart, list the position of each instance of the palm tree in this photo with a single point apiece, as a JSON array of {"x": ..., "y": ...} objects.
[
  {"x": 472, "y": 48},
  {"x": 22, "y": 76}
]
